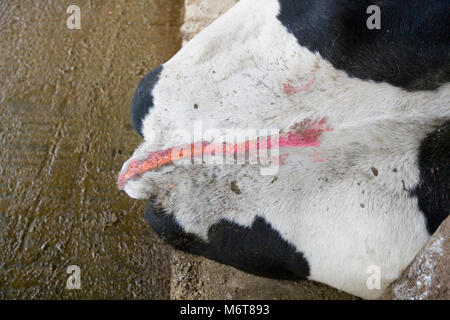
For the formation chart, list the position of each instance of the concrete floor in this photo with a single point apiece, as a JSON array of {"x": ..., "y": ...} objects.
[{"x": 65, "y": 132}]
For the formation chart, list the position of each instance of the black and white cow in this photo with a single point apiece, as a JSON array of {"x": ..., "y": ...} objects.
[{"x": 368, "y": 193}]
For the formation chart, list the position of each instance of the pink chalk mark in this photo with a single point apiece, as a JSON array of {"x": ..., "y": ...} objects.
[
  {"x": 291, "y": 90},
  {"x": 317, "y": 158},
  {"x": 303, "y": 134}
]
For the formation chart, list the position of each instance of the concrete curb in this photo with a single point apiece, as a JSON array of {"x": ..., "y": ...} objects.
[{"x": 428, "y": 276}]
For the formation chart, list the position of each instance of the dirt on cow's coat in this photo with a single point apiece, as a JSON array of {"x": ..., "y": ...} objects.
[{"x": 65, "y": 132}]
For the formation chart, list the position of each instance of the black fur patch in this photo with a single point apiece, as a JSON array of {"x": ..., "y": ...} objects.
[
  {"x": 259, "y": 250},
  {"x": 411, "y": 50},
  {"x": 433, "y": 191},
  {"x": 143, "y": 99}
]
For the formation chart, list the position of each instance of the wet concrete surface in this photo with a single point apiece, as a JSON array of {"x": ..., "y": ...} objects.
[{"x": 64, "y": 134}]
